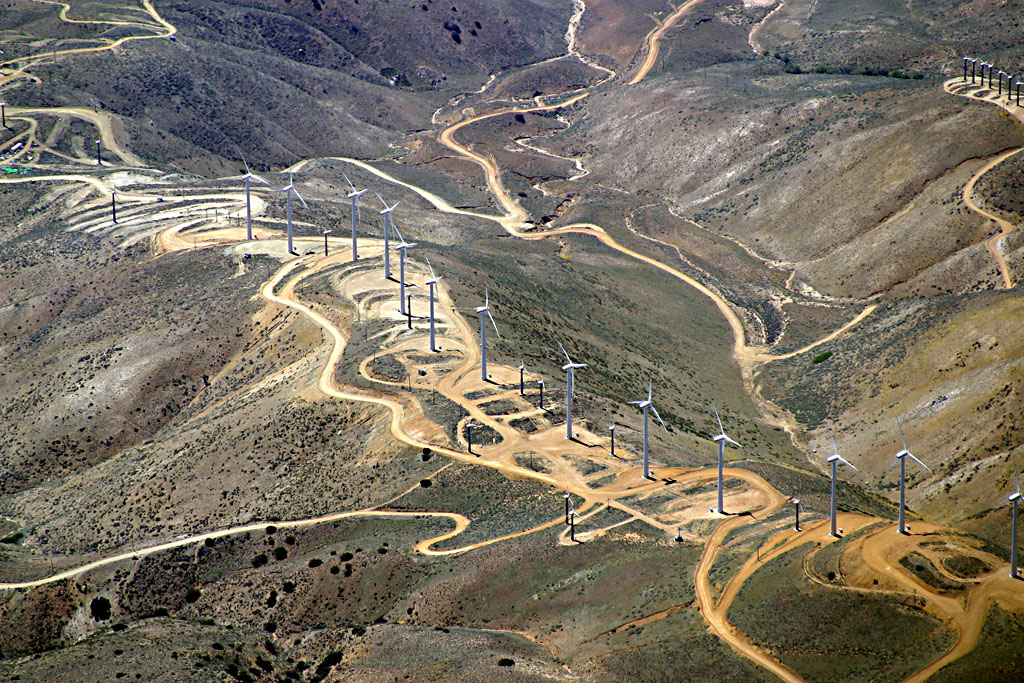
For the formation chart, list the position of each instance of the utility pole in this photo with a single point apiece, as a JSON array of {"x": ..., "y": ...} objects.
[{"x": 99, "y": 159}]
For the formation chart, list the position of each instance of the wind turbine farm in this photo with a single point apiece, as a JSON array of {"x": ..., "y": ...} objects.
[{"x": 229, "y": 453}]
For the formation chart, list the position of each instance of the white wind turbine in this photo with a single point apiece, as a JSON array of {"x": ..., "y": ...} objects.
[
  {"x": 432, "y": 284},
  {"x": 482, "y": 310},
  {"x": 901, "y": 457},
  {"x": 354, "y": 195},
  {"x": 522, "y": 378},
  {"x": 402, "y": 251},
  {"x": 288, "y": 206},
  {"x": 249, "y": 175},
  {"x": 647, "y": 405},
  {"x": 834, "y": 459},
  {"x": 1012, "y": 499},
  {"x": 570, "y": 384},
  {"x": 389, "y": 224},
  {"x": 721, "y": 440}
]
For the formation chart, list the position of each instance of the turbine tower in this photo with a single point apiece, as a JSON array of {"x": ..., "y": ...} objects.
[
  {"x": 288, "y": 207},
  {"x": 647, "y": 405},
  {"x": 486, "y": 308},
  {"x": 901, "y": 457},
  {"x": 432, "y": 284},
  {"x": 522, "y": 370},
  {"x": 833, "y": 460},
  {"x": 797, "y": 507},
  {"x": 721, "y": 440},
  {"x": 354, "y": 195},
  {"x": 249, "y": 175},
  {"x": 402, "y": 253},
  {"x": 388, "y": 225},
  {"x": 1012, "y": 499},
  {"x": 570, "y": 384}
]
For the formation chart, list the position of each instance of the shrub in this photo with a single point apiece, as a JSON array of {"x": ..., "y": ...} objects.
[
  {"x": 192, "y": 595},
  {"x": 425, "y": 483},
  {"x": 271, "y": 530},
  {"x": 821, "y": 357},
  {"x": 505, "y": 661},
  {"x": 345, "y": 557},
  {"x": 315, "y": 562},
  {"x": 259, "y": 560},
  {"x": 280, "y": 553},
  {"x": 270, "y": 626},
  {"x": 100, "y": 608},
  {"x": 288, "y": 586}
]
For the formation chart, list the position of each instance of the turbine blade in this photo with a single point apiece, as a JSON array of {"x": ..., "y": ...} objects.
[
  {"x": 893, "y": 464},
  {"x": 1017, "y": 476},
  {"x": 349, "y": 182},
  {"x": 845, "y": 461},
  {"x": 564, "y": 352},
  {"x": 247, "y": 171},
  {"x": 432, "y": 276},
  {"x": 901, "y": 433},
  {"x": 256, "y": 177},
  {"x": 300, "y": 197},
  {"x": 381, "y": 199},
  {"x": 400, "y": 238},
  {"x": 655, "y": 411},
  {"x": 732, "y": 442},
  {"x": 650, "y": 388},
  {"x": 721, "y": 429},
  {"x": 835, "y": 449},
  {"x": 492, "y": 322},
  {"x": 911, "y": 455}
]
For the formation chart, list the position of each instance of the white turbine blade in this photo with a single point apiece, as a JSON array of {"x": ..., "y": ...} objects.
[
  {"x": 247, "y": 171},
  {"x": 655, "y": 411},
  {"x": 911, "y": 456},
  {"x": 893, "y": 463},
  {"x": 1017, "y": 476},
  {"x": 650, "y": 388},
  {"x": 835, "y": 449},
  {"x": 845, "y": 461},
  {"x": 381, "y": 199},
  {"x": 637, "y": 403},
  {"x": 721, "y": 429},
  {"x": 349, "y": 182},
  {"x": 300, "y": 197},
  {"x": 400, "y": 238},
  {"x": 432, "y": 276},
  {"x": 565, "y": 353},
  {"x": 731, "y": 441},
  {"x": 901, "y": 434},
  {"x": 487, "y": 298},
  {"x": 492, "y": 322}
]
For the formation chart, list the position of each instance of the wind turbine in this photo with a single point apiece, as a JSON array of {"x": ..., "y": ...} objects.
[
  {"x": 570, "y": 384},
  {"x": 113, "y": 204},
  {"x": 1000, "y": 75},
  {"x": 522, "y": 370},
  {"x": 388, "y": 225},
  {"x": 486, "y": 308},
  {"x": 901, "y": 457},
  {"x": 1009, "y": 88},
  {"x": 249, "y": 175},
  {"x": 402, "y": 251},
  {"x": 647, "y": 405},
  {"x": 354, "y": 195},
  {"x": 966, "y": 59},
  {"x": 721, "y": 439},
  {"x": 540, "y": 383},
  {"x": 797, "y": 507},
  {"x": 288, "y": 205},
  {"x": 432, "y": 284},
  {"x": 611, "y": 428},
  {"x": 568, "y": 505},
  {"x": 1012, "y": 499},
  {"x": 834, "y": 459}
]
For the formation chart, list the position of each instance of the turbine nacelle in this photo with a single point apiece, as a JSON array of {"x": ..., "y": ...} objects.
[
  {"x": 1016, "y": 494},
  {"x": 835, "y": 454}
]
